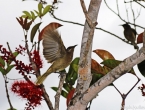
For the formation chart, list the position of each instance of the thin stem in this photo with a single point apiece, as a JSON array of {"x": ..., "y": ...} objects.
[
  {"x": 125, "y": 95},
  {"x": 58, "y": 93},
  {"x": 95, "y": 28},
  {"x": 8, "y": 97}
]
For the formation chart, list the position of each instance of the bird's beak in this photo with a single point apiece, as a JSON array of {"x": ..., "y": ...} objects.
[
  {"x": 74, "y": 46},
  {"x": 121, "y": 25}
]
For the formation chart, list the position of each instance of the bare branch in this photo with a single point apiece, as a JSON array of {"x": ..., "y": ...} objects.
[
  {"x": 8, "y": 97},
  {"x": 86, "y": 13},
  {"x": 95, "y": 28},
  {"x": 126, "y": 12},
  {"x": 84, "y": 69},
  {"x": 133, "y": 15},
  {"x": 58, "y": 93},
  {"x": 125, "y": 95},
  {"x": 121, "y": 17},
  {"x": 139, "y": 3}
]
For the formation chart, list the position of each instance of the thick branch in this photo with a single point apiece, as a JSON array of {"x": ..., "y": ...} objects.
[
  {"x": 84, "y": 70},
  {"x": 117, "y": 72}
]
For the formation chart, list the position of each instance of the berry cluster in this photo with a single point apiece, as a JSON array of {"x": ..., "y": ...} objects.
[
  {"x": 142, "y": 88},
  {"x": 36, "y": 58},
  {"x": 27, "y": 90}
]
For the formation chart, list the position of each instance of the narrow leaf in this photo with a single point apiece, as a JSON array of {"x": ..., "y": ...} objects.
[
  {"x": 34, "y": 30},
  {"x": 2, "y": 63},
  {"x": 67, "y": 87},
  {"x": 96, "y": 67},
  {"x": 27, "y": 14},
  {"x": 40, "y": 9},
  {"x": 46, "y": 9},
  {"x": 69, "y": 96},
  {"x": 37, "y": 13},
  {"x": 103, "y": 54},
  {"x": 72, "y": 74},
  {"x": 9, "y": 68},
  {"x": 111, "y": 63},
  {"x": 33, "y": 15},
  {"x": 2, "y": 70}
]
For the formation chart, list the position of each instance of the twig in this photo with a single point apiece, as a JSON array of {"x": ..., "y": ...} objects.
[
  {"x": 126, "y": 12},
  {"x": 8, "y": 97},
  {"x": 125, "y": 95},
  {"x": 133, "y": 15},
  {"x": 46, "y": 98},
  {"x": 96, "y": 28},
  {"x": 86, "y": 13},
  {"x": 58, "y": 93},
  {"x": 121, "y": 17},
  {"x": 138, "y": 13},
  {"x": 139, "y": 3}
]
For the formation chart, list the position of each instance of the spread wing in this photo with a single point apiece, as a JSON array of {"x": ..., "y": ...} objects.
[{"x": 53, "y": 47}]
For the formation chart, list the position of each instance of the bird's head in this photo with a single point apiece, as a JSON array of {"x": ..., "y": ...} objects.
[
  {"x": 126, "y": 26},
  {"x": 71, "y": 48}
]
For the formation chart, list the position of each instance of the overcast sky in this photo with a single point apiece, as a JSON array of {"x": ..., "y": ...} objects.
[{"x": 109, "y": 98}]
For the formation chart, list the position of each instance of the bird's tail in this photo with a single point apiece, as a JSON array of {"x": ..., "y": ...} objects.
[
  {"x": 41, "y": 79},
  {"x": 135, "y": 46}
]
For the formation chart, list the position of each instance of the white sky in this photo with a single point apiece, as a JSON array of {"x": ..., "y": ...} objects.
[{"x": 109, "y": 98}]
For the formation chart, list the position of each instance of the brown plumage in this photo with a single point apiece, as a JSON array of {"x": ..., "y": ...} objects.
[
  {"x": 130, "y": 34},
  {"x": 55, "y": 52}
]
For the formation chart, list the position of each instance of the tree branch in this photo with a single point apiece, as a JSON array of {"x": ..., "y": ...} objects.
[
  {"x": 95, "y": 28},
  {"x": 84, "y": 69},
  {"x": 8, "y": 97},
  {"x": 121, "y": 17},
  {"x": 58, "y": 93}
]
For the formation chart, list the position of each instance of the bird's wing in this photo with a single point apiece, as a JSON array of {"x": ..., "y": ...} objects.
[
  {"x": 134, "y": 31},
  {"x": 53, "y": 46}
]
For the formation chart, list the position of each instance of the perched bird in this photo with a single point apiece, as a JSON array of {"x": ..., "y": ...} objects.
[
  {"x": 55, "y": 52},
  {"x": 130, "y": 34}
]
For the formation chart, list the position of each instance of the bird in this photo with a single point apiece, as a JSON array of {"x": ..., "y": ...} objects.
[
  {"x": 130, "y": 34},
  {"x": 55, "y": 52}
]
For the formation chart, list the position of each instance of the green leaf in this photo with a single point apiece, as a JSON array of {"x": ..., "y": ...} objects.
[
  {"x": 40, "y": 8},
  {"x": 2, "y": 62},
  {"x": 63, "y": 93},
  {"x": 34, "y": 30},
  {"x": 33, "y": 15},
  {"x": 75, "y": 67},
  {"x": 27, "y": 14},
  {"x": 2, "y": 70},
  {"x": 95, "y": 77},
  {"x": 15, "y": 54},
  {"x": 9, "y": 68},
  {"x": 37, "y": 13},
  {"x": 67, "y": 87},
  {"x": 72, "y": 73},
  {"x": 111, "y": 63},
  {"x": 46, "y": 9}
]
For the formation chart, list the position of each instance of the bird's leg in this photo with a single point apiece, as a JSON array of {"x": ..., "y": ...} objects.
[{"x": 61, "y": 73}]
